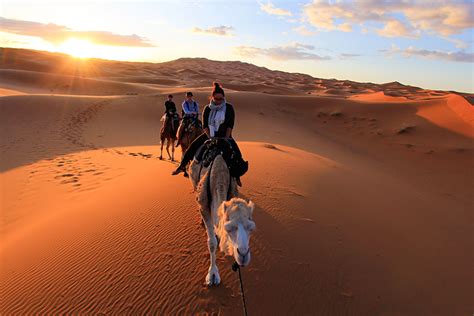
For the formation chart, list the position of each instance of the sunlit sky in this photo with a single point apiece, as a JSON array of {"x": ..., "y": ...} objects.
[{"x": 422, "y": 43}]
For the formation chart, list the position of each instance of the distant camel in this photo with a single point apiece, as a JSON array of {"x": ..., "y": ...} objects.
[
  {"x": 227, "y": 218},
  {"x": 168, "y": 133},
  {"x": 192, "y": 132}
]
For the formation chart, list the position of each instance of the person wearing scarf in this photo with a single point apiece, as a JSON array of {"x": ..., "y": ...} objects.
[{"x": 218, "y": 121}]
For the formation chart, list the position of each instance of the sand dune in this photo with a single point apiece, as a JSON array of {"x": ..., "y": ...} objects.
[
  {"x": 37, "y": 82},
  {"x": 197, "y": 72},
  {"x": 363, "y": 194}
]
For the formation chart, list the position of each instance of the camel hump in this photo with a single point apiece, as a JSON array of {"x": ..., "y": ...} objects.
[
  {"x": 219, "y": 165},
  {"x": 219, "y": 159}
]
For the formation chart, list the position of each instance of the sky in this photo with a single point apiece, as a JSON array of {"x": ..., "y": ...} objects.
[{"x": 429, "y": 44}]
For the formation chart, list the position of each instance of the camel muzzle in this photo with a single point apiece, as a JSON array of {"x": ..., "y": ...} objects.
[{"x": 243, "y": 257}]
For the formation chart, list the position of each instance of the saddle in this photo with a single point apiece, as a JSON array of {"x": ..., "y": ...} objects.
[
  {"x": 173, "y": 117},
  {"x": 221, "y": 146},
  {"x": 189, "y": 122}
]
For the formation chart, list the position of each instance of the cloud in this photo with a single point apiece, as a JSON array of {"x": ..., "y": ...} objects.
[
  {"x": 348, "y": 56},
  {"x": 303, "y": 30},
  {"x": 248, "y": 51},
  {"x": 398, "y": 17},
  {"x": 55, "y": 34},
  {"x": 396, "y": 28},
  {"x": 457, "y": 42},
  {"x": 459, "y": 56},
  {"x": 272, "y": 10},
  {"x": 216, "y": 30},
  {"x": 345, "y": 27},
  {"x": 294, "y": 51}
]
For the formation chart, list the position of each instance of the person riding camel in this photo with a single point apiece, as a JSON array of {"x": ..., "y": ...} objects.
[
  {"x": 190, "y": 114},
  {"x": 170, "y": 107},
  {"x": 218, "y": 121},
  {"x": 170, "y": 110}
]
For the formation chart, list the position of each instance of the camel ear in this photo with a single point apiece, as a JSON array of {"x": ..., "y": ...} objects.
[
  {"x": 251, "y": 205},
  {"x": 225, "y": 206}
]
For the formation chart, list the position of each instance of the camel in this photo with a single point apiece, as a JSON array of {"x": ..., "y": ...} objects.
[
  {"x": 227, "y": 218},
  {"x": 168, "y": 133},
  {"x": 189, "y": 135}
]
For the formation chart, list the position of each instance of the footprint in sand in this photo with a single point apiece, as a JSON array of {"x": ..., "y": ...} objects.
[
  {"x": 147, "y": 156},
  {"x": 65, "y": 175},
  {"x": 270, "y": 146},
  {"x": 71, "y": 180}
]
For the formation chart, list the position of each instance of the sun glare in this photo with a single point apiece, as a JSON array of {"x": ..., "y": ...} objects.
[
  {"x": 83, "y": 48},
  {"x": 78, "y": 48}
]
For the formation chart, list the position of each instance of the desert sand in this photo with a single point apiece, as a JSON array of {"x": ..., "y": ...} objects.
[{"x": 363, "y": 193}]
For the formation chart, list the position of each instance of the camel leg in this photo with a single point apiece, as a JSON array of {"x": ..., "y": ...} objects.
[
  {"x": 212, "y": 277},
  {"x": 183, "y": 150},
  {"x": 184, "y": 146},
  {"x": 179, "y": 132},
  {"x": 172, "y": 150},
  {"x": 161, "y": 152},
  {"x": 168, "y": 147}
]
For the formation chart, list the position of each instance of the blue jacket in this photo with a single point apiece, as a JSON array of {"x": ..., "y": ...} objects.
[{"x": 189, "y": 108}]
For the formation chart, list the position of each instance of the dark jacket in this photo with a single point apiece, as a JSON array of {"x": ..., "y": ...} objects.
[
  {"x": 170, "y": 107},
  {"x": 228, "y": 121}
]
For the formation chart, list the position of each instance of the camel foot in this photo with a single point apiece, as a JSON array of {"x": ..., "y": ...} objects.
[
  {"x": 161, "y": 158},
  {"x": 213, "y": 277}
]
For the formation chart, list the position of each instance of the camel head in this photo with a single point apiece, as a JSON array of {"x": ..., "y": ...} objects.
[
  {"x": 192, "y": 128},
  {"x": 236, "y": 225}
]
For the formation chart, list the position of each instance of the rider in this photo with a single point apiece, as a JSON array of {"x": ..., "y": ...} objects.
[
  {"x": 218, "y": 121},
  {"x": 170, "y": 113},
  {"x": 170, "y": 107},
  {"x": 190, "y": 114}
]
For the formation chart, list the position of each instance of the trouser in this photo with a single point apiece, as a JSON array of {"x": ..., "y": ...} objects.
[
  {"x": 192, "y": 149},
  {"x": 235, "y": 147}
]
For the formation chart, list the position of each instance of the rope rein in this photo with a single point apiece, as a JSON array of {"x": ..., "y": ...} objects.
[{"x": 236, "y": 267}]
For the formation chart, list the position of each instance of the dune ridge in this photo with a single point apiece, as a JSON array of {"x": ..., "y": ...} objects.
[{"x": 197, "y": 72}]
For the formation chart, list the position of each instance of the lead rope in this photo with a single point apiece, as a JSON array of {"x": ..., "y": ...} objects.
[{"x": 236, "y": 267}]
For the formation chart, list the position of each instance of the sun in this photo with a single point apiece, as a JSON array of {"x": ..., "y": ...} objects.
[
  {"x": 78, "y": 48},
  {"x": 83, "y": 48}
]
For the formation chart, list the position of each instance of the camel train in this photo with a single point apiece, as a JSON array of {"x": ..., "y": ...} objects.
[{"x": 214, "y": 172}]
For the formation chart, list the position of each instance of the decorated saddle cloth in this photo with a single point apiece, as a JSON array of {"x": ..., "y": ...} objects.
[
  {"x": 221, "y": 146},
  {"x": 190, "y": 121}
]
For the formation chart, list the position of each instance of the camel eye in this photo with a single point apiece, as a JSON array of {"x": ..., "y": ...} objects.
[
  {"x": 230, "y": 228},
  {"x": 250, "y": 226}
]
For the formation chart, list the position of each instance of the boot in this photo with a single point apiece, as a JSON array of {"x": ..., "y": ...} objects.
[{"x": 178, "y": 171}]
